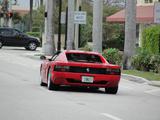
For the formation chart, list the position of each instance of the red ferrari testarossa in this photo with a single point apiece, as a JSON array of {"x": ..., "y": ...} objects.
[{"x": 79, "y": 68}]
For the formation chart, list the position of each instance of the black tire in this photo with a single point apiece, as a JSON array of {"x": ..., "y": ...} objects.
[
  {"x": 50, "y": 84},
  {"x": 26, "y": 48},
  {"x": 111, "y": 90},
  {"x": 32, "y": 46},
  {"x": 1, "y": 44}
]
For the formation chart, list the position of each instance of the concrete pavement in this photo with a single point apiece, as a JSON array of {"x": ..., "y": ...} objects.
[{"x": 23, "y": 98}]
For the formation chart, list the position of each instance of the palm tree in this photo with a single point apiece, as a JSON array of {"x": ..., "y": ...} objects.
[
  {"x": 41, "y": 2},
  {"x": 97, "y": 25},
  {"x": 31, "y": 12},
  {"x": 130, "y": 33}
]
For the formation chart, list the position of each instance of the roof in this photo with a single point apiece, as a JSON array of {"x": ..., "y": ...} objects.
[{"x": 144, "y": 14}]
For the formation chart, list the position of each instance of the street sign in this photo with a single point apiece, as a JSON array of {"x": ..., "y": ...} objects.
[
  {"x": 80, "y": 17},
  {"x": 63, "y": 17},
  {"x": 157, "y": 12}
]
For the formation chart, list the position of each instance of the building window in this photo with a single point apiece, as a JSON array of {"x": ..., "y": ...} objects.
[{"x": 149, "y": 1}]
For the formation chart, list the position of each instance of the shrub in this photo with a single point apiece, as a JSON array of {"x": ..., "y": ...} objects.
[
  {"x": 141, "y": 62},
  {"x": 155, "y": 63},
  {"x": 35, "y": 34},
  {"x": 87, "y": 47},
  {"x": 145, "y": 61},
  {"x": 113, "y": 56},
  {"x": 151, "y": 39}
]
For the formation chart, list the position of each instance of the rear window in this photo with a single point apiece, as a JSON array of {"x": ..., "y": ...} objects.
[{"x": 79, "y": 57}]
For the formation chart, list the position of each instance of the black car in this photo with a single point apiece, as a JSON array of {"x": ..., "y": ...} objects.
[{"x": 14, "y": 37}]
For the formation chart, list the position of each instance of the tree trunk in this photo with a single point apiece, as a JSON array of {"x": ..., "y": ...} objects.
[
  {"x": 130, "y": 33},
  {"x": 31, "y": 11},
  {"x": 41, "y": 2},
  {"x": 70, "y": 29},
  {"x": 49, "y": 44},
  {"x": 97, "y": 25}
]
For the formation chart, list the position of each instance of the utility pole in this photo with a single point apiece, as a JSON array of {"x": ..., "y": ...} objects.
[
  {"x": 31, "y": 11},
  {"x": 44, "y": 36},
  {"x": 97, "y": 25},
  {"x": 130, "y": 33},
  {"x": 70, "y": 29},
  {"x": 59, "y": 28},
  {"x": 10, "y": 13},
  {"x": 48, "y": 44},
  {"x": 78, "y": 5}
]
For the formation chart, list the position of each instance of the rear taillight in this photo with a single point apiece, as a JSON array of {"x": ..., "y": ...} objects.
[
  {"x": 113, "y": 71},
  {"x": 60, "y": 68}
]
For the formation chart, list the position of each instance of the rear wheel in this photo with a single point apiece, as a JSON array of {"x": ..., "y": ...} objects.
[
  {"x": 1, "y": 44},
  {"x": 50, "y": 84},
  {"x": 111, "y": 90},
  {"x": 32, "y": 46}
]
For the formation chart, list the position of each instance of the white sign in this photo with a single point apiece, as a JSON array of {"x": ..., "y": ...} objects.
[
  {"x": 63, "y": 17},
  {"x": 80, "y": 17},
  {"x": 157, "y": 12}
]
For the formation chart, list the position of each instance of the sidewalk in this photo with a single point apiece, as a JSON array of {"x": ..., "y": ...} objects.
[{"x": 140, "y": 80}]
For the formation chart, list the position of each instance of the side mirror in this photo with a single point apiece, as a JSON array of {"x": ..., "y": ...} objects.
[{"x": 42, "y": 57}]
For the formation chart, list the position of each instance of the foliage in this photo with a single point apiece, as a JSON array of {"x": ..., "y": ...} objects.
[
  {"x": 87, "y": 47},
  {"x": 110, "y": 31},
  {"x": 113, "y": 33},
  {"x": 141, "y": 61},
  {"x": 113, "y": 56},
  {"x": 115, "y": 43},
  {"x": 16, "y": 18},
  {"x": 151, "y": 39},
  {"x": 155, "y": 63},
  {"x": 38, "y": 20},
  {"x": 145, "y": 61},
  {"x": 35, "y": 34},
  {"x": 86, "y": 30}
]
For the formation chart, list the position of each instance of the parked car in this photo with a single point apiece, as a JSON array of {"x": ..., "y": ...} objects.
[
  {"x": 79, "y": 68},
  {"x": 14, "y": 37}
]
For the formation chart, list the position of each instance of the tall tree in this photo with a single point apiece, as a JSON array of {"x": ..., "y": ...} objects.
[
  {"x": 70, "y": 31},
  {"x": 97, "y": 25},
  {"x": 130, "y": 32},
  {"x": 41, "y": 2},
  {"x": 49, "y": 44},
  {"x": 31, "y": 12}
]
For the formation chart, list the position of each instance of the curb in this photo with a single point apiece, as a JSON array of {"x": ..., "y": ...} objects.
[{"x": 140, "y": 80}]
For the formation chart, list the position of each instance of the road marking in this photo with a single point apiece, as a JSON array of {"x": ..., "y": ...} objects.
[{"x": 110, "y": 116}]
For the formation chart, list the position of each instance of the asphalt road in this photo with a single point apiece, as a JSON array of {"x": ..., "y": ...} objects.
[{"x": 22, "y": 98}]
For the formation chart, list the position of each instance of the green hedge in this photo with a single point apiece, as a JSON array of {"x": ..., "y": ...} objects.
[
  {"x": 145, "y": 61},
  {"x": 151, "y": 39},
  {"x": 113, "y": 56},
  {"x": 35, "y": 34}
]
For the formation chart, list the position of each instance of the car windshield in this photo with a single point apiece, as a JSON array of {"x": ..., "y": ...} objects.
[{"x": 79, "y": 57}]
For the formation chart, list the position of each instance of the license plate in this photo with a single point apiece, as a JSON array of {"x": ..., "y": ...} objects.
[{"x": 87, "y": 79}]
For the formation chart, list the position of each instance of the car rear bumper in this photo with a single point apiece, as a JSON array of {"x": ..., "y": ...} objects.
[{"x": 75, "y": 79}]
